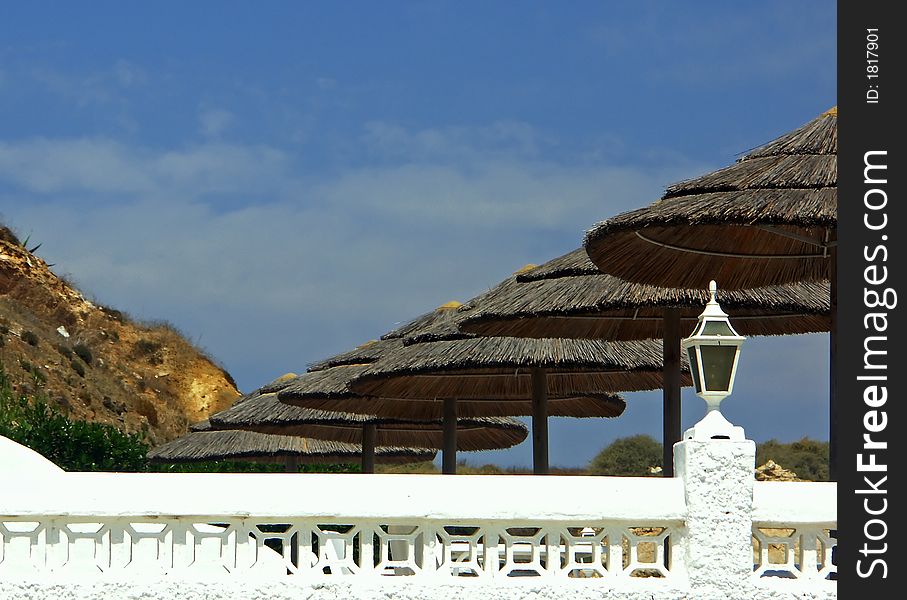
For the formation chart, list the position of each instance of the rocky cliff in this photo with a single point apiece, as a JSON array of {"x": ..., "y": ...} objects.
[{"x": 93, "y": 361}]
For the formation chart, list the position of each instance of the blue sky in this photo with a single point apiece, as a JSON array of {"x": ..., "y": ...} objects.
[{"x": 285, "y": 180}]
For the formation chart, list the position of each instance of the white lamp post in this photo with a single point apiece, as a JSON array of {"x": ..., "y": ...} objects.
[{"x": 713, "y": 348}]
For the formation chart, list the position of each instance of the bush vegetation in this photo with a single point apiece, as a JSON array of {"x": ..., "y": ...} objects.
[
  {"x": 71, "y": 444},
  {"x": 807, "y": 458},
  {"x": 30, "y": 338},
  {"x": 77, "y": 367},
  {"x": 77, "y": 445},
  {"x": 635, "y": 455},
  {"x": 83, "y": 352},
  {"x": 145, "y": 346},
  {"x": 629, "y": 457},
  {"x": 116, "y": 315}
]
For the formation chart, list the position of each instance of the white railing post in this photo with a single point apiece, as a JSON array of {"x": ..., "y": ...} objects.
[
  {"x": 426, "y": 550},
  {"x": 718, "y": 486}
]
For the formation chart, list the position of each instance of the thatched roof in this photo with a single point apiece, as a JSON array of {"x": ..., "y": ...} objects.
[
  {"x": 204, "y": 444},
  {"x": 262, "y": 412},
  {"x": 499, "y": 369},
  {"x": 771, "y": 218},
  {"x": 360, "y": 355},
  {"x": 574, "y": 405},
  {"x": 568, "y": 265},
  {"x": 329, "y": 389},
  {"x": 440, "y": 321},
  {"x": 444, "y": 325},
  {"x": 569, "y": 297}
]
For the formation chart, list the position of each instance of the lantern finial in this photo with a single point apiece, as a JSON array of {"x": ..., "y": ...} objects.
[{"x": 713, "y": 348}]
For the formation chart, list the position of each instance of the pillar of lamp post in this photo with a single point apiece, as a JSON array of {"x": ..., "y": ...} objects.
[{"x": 714, "y": 349}]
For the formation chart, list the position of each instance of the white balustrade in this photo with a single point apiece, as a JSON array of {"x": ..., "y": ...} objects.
[
  {"x": 636, "y": 535},
  {"x": 341, "y": 525},
  {"x": 792, "y": 530}
]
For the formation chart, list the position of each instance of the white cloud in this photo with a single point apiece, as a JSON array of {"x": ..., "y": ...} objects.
[
  {"x": 47, "y": 166},
  {"x": 214, "y": 121},
  {"x": 104, "y": 166},
  {"x": 127, "y": 74},
  {"x": 101, "y": 87},
  {"x": 501, "y": 138},
  {"x": 166, "y": 235},
  {"x": 274, "y": 267}
]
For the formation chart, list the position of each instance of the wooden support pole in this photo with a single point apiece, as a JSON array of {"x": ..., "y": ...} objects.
[
  {"x": 291, "y": 465},
  {"x": 671, "y": 355},
  {"x": 369, "y": 433},
  {"x": 539, "y": 421},
  {"x": 449, "y": 450}
]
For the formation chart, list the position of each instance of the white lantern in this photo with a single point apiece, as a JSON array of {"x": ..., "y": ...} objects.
[{"x": 713, "y": 349}]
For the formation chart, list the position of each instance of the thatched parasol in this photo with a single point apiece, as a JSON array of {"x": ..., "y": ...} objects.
[
  {"x": 261, "y": 412},
  {"x": 362, "y": 354},
  {"x": 329, "y": 390},
  {"x": 438, "y": 369},
  {"x": 771, "y": 218},
  {"x": 497, "y": 369},
  {"x": 203, "y": 443},
  {"x": 569, "y": 297},
  {"x": 443, "y": 322}
]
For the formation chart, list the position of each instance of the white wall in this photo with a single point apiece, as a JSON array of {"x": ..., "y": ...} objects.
[{"x": 91, "y": 535}]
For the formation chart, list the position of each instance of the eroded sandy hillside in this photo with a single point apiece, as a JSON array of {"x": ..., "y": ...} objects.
[{"x": 93, "y": 361}]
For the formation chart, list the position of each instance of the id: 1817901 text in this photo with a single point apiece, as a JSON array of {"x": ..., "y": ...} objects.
[{"x": 872, "y": 65}]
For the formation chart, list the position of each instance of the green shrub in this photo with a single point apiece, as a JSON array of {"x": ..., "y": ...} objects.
[
  {"x": 65, "y": 351},
  {"x": 77, "y": 367},
  {"x": 77, "y": 445},
  {"x": 83, "y": 352},
  {"x": 30, "y": 338},
  {"x": 145, "y": 347},
  {"x": 38, "y": 377},
  {"x": 73, "y": 445},
  {"x": 116, "y": 315},
  {"x": 629, "y": 456},
  {"x": 807, "y": 458}
]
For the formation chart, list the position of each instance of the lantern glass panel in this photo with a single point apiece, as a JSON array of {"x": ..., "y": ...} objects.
[
  {"x": 717, "y": 364},
  {"x": 717, "y": 328},
  {"x": 694, "y": 368}
]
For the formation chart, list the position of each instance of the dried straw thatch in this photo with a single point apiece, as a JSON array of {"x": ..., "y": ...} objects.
[
  {"x": 442, "y": 324},
  {"x": 261, "y": 412},
  {"x": 204, "y": 444},
  {"x": 329, "y": 390},
  {"x": 360, "y": 355},
  {"x": 442, "y": 320},
  {"x": 498, "y": 371},
  {"x": 569, "y": 297},
  {"x": 575, "y": 405},
  {"x": 769, "y": 219}
]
